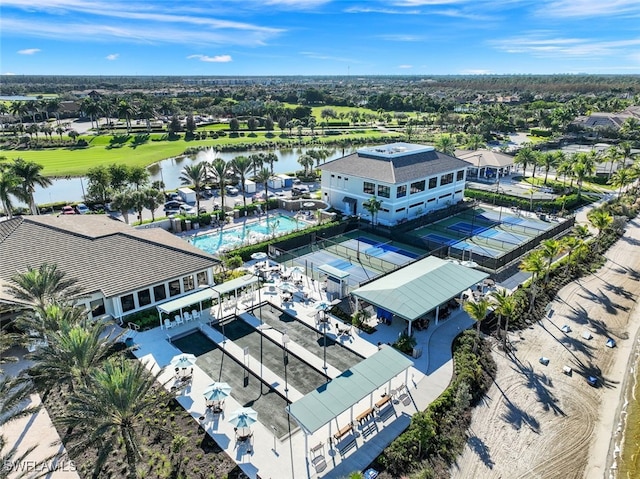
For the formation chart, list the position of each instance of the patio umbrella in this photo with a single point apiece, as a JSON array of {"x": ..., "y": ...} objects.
[
  {"x": 287, "y": 287},
  {"x": 217, "y": 391},
  {"x": 183, "y": 361},
  {"x": 296, "y": 270},
  {"x": 243, "y": 417},
  {"x": 309, "y": 204},
  {"x": 322, "y": 306},
  {"x": 259, "y": 255}
]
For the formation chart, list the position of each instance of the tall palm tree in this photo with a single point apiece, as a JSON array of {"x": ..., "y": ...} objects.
[
  {"x": 477, "y": 310},
  {"x": 71, "y": 354},
  {"x": 42, "y": 286},
  {"x": 241, "y": 166},
  {"x": 195, "y": 175},
  {"x": 550, "y": 249},
  {"x": 218, "y": 169},
  {"x": 153, "y": 199},
  {"x": 146, "y": 112},
  {"x": 600, "y": 219},
  {"x": 533, "y": 263},
  {"x": 373, "y": 205},
  {"x": 525, "y": 157},
  {"x": 111, "y": 410},
  {"x": 263, "y": 177},
  {"x": 504, "y": 307},
  {"x": 123, "y": 201},
  {"x": 30, "y": 175},
  {"x": 475, "y": 142},
  {"x": 446, "y": 144},
  {"x": 19, "y": 109},
  {"x": 613, "y": 156},
  {"x": 137, "y": 176},
  {"x": 270, "y": 158},
  {"x": 306, "y": 161},
  {"x": 575, "y": 246},
  {"x": 621, "y": 178},
  {"x": 126, "y": 110},
  {"x": 583, "y": 166},
  {"x": 92, "y": 109},
  {"x": 257, "y": 160},
  {"x": 9, "y": 188},
  {"x": 548, "y": 160}
]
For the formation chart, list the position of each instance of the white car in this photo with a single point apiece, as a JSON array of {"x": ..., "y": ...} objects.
[
  {"x": 188, "y": 210},
  {"x": 232, "y": 190}
]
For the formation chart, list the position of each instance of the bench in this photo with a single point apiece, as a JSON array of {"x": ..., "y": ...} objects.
[
  {"x": 383, "y": 401},
  {"x": 343, "y": 432},
  {"x": 364, "y": 415},
  {"x": 346, "y": 445}
]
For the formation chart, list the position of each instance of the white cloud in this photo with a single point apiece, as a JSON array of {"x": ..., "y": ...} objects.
[
  {"x": 112, "y": 56},
  {"x": 9, "y": 74},
  {"x": 405, "y": 67},
  {"x": 215, "y": 59},
  {"x": 29, "y": 51},
  {"x": 589, "y": 8},
  {"x": 401, "y": 37}
]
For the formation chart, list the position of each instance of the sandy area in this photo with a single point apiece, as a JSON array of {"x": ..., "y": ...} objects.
[{"x": 538, "y": 422}]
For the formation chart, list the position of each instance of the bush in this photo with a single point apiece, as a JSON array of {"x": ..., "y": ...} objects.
[{"x": 540, "y": 132}]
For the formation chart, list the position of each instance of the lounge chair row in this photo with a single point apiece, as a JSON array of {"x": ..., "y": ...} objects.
[{"x": 179, "y": 320}]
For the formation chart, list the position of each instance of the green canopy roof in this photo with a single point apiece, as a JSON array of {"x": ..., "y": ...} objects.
[
  {"x": 234, "y": 284},
  {"x": 414, "y": 290},
  {"x": 187, "y": 300},
  {"x": 335, "y": 397}
]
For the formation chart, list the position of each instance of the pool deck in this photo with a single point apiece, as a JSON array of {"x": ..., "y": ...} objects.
[{"x": 288, "y": 456}]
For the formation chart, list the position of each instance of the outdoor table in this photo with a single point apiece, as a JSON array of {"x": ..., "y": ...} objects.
[
  {"x": 243, "y": 434},
  {"x": 364, "y": 415},
  {"x": 343, "y": 431},
  {"x": 383, "y": 401}
]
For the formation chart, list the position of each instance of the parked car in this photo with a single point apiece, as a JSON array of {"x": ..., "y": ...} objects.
[
  {"x": 172, "y": 206},
  {"x": 260, "y": 196},
  {"x": 188, "y": 210},
  {"x": 82, "y": 209},
  {"x": 232, "y": 190},
  {"x": 68, "y": 210}
]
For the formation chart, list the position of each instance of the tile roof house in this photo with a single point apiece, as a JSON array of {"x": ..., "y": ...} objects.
[
  {"x": 121, "y": 269},
  {"x": 486, "y": 163},
  {"x": 410, "y": 180}
]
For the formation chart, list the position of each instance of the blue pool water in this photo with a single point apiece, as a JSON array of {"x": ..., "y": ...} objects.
[{"x": 225, "y": 240}]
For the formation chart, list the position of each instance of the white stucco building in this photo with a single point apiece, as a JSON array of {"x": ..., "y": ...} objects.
[{"x": 410, "y": 180}]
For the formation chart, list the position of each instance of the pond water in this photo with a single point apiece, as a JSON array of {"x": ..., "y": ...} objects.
[{"x": 72, "y": 189}]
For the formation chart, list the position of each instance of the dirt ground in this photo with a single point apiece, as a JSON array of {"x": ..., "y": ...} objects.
[{"x": 538, "y": 422}]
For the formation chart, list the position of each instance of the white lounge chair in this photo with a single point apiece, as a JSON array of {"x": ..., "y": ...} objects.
[
  {"x": 178, "y": 320},
  {"x": 195, "y": 314},
  {"x": 187, "y": 316},
  {"x": 168, "y": 324}
]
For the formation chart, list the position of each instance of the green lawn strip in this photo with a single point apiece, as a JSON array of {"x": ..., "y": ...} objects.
[{"x": 76, "y": 162}]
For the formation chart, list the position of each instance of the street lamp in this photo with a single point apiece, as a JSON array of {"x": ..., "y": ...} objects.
[
  {"x": 262, "y": 328},
  {"x": 285, "y": 341}
]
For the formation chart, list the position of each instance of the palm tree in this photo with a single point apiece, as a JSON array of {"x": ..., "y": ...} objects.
[
  {"x": 257, "y": 160},
  {"x": 475, "y": 142},
  {"x": 372, "y": 205},
  {"x": 241, "y": 166},
  {"x": 71, "y": 354},
  {"x": 504, "y": 307},
  {"x": 600, "y": 219},
  {"x": 550, "y": 249},
  {"x": 92, "y": 109},
  {"x": 19, "y": 109},
  {"x": 526, "y": 156},
  {"x": 123, "y": 202},
  {"x": 218, "y": 169},
  {"x": 575, "y": 245},
  {"x": 42, "y": 286},
  {"x": 533, "y": 263},
  {"x": 137, "y": 176},
  {"x": 548, "y": 160},
  {"x": 126, "y": 111},
  {"x": 9, "y": 188},
  {"x": 306, "y": 161},
  {"x": 583, "y": 167},
  {"x": 99, "y": 178},
  {"x": 613, "y": 156},
  {"x": 263, "y": 177},
  {"x": 270, "y": 158},
  {"x": 446, "y": 144},
  {"x": 30, "y": 175},
  {"x": 153, "y": 198},
  {"x": 111, "y": 410},
  {"x": 621, "y": 178},
  {"x": 564, "y": 168},
  {"x": 195, "y": 175},
  {"x": 146, "y": 112},
  {"x": 477, "y": 310}
]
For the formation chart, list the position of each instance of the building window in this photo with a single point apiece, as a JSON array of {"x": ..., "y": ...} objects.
[
  {"x": 416, "y": 204},
  {"x": 417, "y": 187},
  {"x": 433, "y": 182},
  {"x": 430, "y": 200},
  {"x": 333, "y": 176},
  {"x": 174, "y": 288},
  {"x": 187, "y": 282},
  {"x": 446, "y": 179},
  {"x": 399, "y": 210},
  {"x": 401, "y": 191},
  {"x": 444, "y": 196},
  {"x": 459, "y": 191},
  {"x": 127, "y": 303},
  {"x": 97, "y": 308},
  {"x": 369, "y": 188},
  {"x": 144, "y": 297},
  {"x": 159, "y": 292},
  {"x": 460, "y": 175},
  {"x": 384, "y": 191},
  {"x": 339, "y": 177},
  {"x": 384, "y": 210},
  {"x": 203, "y": 278}
]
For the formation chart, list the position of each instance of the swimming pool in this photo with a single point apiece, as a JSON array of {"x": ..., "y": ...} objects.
[{"x": 225, "y": 240}]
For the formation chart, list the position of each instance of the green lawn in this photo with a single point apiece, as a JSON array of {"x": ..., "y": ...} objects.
[{"x": 76, "y": 162}]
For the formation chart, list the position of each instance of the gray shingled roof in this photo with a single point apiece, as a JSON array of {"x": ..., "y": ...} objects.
[
  {"x": 102, "y": 254},
  {"x": 394, "y": 170},
  {"x": 484, "y": 158}
]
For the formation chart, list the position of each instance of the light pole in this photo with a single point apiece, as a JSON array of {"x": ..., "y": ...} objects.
[
  {"x": 324, "y": 340},
  {"x": 285, "y": 341},
  {"x": 262, "y": 328}
]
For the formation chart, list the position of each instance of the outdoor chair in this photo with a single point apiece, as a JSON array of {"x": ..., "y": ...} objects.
[
  {"x": 187, "y": 316},
  {"x": 178, "y": 320},
  {"x": 317, "y": 457},
  {"x": 195, "y": 314},
  {"x": 168, "y": 324}
]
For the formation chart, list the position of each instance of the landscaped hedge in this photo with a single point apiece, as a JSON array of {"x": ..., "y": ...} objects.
[
  {"x": 540, "y": 132},
  {"x": 570, "y": 202}
]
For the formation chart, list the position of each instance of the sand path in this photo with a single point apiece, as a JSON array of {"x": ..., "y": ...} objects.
[{"x": 538, "y": 422}]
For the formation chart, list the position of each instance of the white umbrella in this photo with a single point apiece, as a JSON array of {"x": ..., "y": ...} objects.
[
  {"x": 296, "y": 270},
  {"x": 217, "y": 391},
  {"x": 322, "y": 306},
  {"x": 309, "y": 204},
  {"x": 183, "y": 360},
  {"x": 243, "y": 417},
  {"x": 287, "y": 287},
  {"x": 259, "y": 255}
]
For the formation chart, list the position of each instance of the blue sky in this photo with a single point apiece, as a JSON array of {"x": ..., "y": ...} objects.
[{"x": 318, "y": 37}]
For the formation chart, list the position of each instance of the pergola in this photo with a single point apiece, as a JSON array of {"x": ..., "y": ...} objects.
[
  {"x": 178, "y": 304},
  {"x": 417, "y": 289},
  {"x": 233, "y": 286},
  {"x": 322, "y": 406}
]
